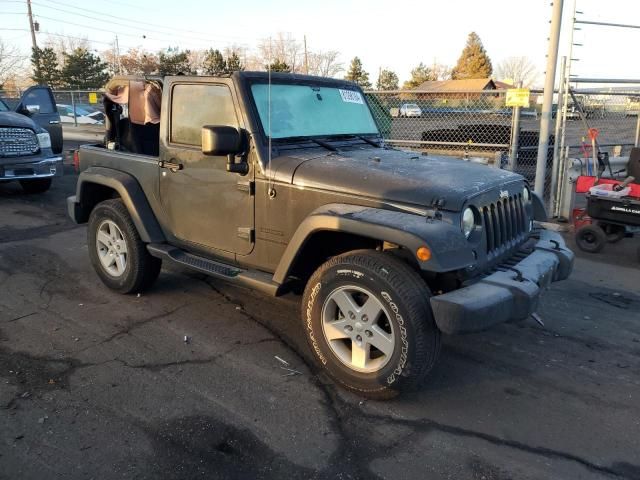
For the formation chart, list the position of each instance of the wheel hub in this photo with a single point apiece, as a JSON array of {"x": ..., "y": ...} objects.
[
  {"x": 357, "y": 328},
  {"x": 112, "y": 248}
]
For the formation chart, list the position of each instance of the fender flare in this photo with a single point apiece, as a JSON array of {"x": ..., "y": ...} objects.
[
  {"x": 131, "y": 194},
  {"x": 449, "y": 248},
  {"x": 539, "y": 210}
]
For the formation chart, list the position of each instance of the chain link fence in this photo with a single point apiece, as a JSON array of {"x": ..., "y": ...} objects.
[
  {"x": 468, "y": 124},
  {"x": 477, "y": 125}
]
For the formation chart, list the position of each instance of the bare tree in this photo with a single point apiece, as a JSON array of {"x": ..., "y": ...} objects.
[
  {"x": 325, "y": 64},
  {"x": 62, "y": 45},
  {"x": 10, "y": 61},
  {"x": 517, "y": 69},
  {"x": 283, "y": 48}
]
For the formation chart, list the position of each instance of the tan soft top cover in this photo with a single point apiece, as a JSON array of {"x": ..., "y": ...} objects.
[{"x": 144, "y": 100}]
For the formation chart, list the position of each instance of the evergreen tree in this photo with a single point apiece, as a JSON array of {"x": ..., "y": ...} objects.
[
  {"x": 278, "y": 66},
  {"x": 82, "y": 69},
  {"x": 214, "y": 63},
  {"x": 357, "y": 74},
  {"x": 46, "y": 70},
  {"x": 233, "y": 63},
  {"x": 387, "y": 80},
  {"x": 174, "y": 62},
  {"x": 474, "y": 61},
  {"x": 419, "y": 75}
]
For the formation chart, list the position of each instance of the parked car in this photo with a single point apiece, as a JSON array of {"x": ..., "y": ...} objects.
[
  {"x": 82, "y": 115},
  {"x": 410, "y": 110},
  {"x": 31, "y": 141},
  {"x": 281, "y": 183}
]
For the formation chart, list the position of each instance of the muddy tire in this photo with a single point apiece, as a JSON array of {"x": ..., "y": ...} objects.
[
  {"x": 119, "y": 256},
  {"x": 369, "y": 323},
  {"x": 591, "y": 238},
  {"x": 38, "y": 185}
]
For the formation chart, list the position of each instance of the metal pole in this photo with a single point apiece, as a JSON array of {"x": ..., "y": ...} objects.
[
  {"x": 545, "y": 120},
  {"x": 73, "y": 104},
  {"x": 31, "y": 27},
  {"x": 556, "y": 142},
  {"x": 637, "y": 142},
  {"x": 306, "y": 58},
  {"x": 515, "y": 136}
]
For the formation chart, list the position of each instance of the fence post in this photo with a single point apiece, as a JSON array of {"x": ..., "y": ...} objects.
[
  {"x": 556, "y": 143},
  {"x": 637, "y": 142},
  {"x": 73, "y": 105},
  {"x": 515, "y": 136}
]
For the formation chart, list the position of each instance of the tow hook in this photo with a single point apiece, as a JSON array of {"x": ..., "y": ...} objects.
[
  {"x": 556, "y": 244},
  {"x": 519, "y": 277},
  {"x": 537, "y": 318}
]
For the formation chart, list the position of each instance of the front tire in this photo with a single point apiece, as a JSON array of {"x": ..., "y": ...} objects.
[
  {"x": 119, "y": 256},
  {"x": 369, "y": 323},
  {"x": 38, "y": 185}
]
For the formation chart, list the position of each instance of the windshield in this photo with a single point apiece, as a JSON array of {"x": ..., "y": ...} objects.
[{"x": 309, "y": 111}]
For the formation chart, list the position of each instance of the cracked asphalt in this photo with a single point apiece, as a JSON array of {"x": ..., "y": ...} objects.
[{"x": 95, "y": 385}]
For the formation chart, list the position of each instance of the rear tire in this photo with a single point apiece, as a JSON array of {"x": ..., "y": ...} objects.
[
  {"x": 119, "y": 256},
  {"x": 37, "y": 185},
  {"x": 591, "y": 238},
  {"x": 369, "y": 323}
]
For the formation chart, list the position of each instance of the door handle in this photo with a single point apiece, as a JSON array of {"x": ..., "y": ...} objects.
[{"x": 174, "y": 167}]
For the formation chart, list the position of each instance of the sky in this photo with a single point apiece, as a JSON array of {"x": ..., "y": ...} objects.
[{"x": 393, "y": 35}]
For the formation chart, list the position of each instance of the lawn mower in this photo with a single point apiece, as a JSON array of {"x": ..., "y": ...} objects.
[{"x": 613, "y": 207}]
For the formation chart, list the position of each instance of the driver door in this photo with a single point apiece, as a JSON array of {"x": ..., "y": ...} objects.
[
  {"x": 205, "y": 205},
  {"x": 45, "y": 114}
]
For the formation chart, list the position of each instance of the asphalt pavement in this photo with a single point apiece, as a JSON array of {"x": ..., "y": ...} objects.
[{"x": 186, "y": 380}]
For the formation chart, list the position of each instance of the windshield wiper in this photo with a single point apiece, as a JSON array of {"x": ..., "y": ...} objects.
[
  {"x": 326, "y": 145},
  {"x": 369, "y": 141}
]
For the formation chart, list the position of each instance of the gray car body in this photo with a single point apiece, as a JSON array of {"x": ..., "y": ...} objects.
[{"x": 300, "y": 202}]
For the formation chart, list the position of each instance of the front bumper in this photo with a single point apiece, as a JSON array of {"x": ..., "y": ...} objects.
[
  {"x": 507, "y": 295},
  {"x": 40, "y": 167}
]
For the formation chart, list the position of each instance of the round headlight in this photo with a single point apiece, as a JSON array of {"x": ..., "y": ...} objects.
[
  {"x": 526, "y": 194},
  {"x": 468, "y": 222}
]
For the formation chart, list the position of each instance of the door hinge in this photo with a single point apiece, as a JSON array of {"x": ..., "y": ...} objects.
[
  {"x": 246, "y": 233},
  {"x": 247, "y": 186}
]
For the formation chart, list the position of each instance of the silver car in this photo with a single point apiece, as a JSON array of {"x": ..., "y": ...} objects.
[{"x": 410, "y": 110}]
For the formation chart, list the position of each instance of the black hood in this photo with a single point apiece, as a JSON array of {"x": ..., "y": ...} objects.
[
  {"x": 12, "y": 119},
  {"x": 394, "y": 175}
]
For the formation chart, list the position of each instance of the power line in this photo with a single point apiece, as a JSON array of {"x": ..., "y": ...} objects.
[{"x": 171, "y": 29}]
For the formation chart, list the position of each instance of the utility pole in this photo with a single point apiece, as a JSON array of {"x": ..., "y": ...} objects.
[
  {"x": 547, "y": 99},
  {"x": 34, "y": 44},
  {"x": 117, "y": 52},
  {"x": 306, "y": 57}
]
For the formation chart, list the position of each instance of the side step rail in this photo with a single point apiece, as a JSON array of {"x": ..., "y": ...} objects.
[{"x": 230, "y": 273}]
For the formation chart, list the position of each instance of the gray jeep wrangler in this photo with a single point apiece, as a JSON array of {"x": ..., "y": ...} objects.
[{"x": 282, "y": 183}]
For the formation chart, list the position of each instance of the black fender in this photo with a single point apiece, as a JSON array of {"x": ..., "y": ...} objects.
[
  {"x": 130, "y": 192},
  {"x": 449, "y": 249},
  {"x": 539, "y": 210}
]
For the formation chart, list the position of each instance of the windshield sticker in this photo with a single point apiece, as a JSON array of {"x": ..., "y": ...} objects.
[{"x": 351, "y": 96}]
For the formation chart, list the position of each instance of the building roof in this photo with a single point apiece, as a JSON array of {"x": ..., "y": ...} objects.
[{"x": 467, "y": 85}]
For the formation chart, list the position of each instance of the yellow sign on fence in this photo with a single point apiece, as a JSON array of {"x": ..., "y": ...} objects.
[
  {"x": 517, "y": 97},
  {"x": 93, "y": 97}
]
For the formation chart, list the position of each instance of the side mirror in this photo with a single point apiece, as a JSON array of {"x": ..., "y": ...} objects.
[
  {"x": 219, "y": 140},
  {"x": 33, "y": 109}
]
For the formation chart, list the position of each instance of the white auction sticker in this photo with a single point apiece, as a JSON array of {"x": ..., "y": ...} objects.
[{"x": 351, "y": 96}]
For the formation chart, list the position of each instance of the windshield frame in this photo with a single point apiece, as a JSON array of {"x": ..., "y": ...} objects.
[
  {"x": 321, "y": 82},
  {"x": 4, "y": 107}
]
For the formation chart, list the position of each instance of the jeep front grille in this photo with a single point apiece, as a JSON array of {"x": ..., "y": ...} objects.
[
  {"x": 15, "y": 142},
  {"x": 505, "y": 223}
]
